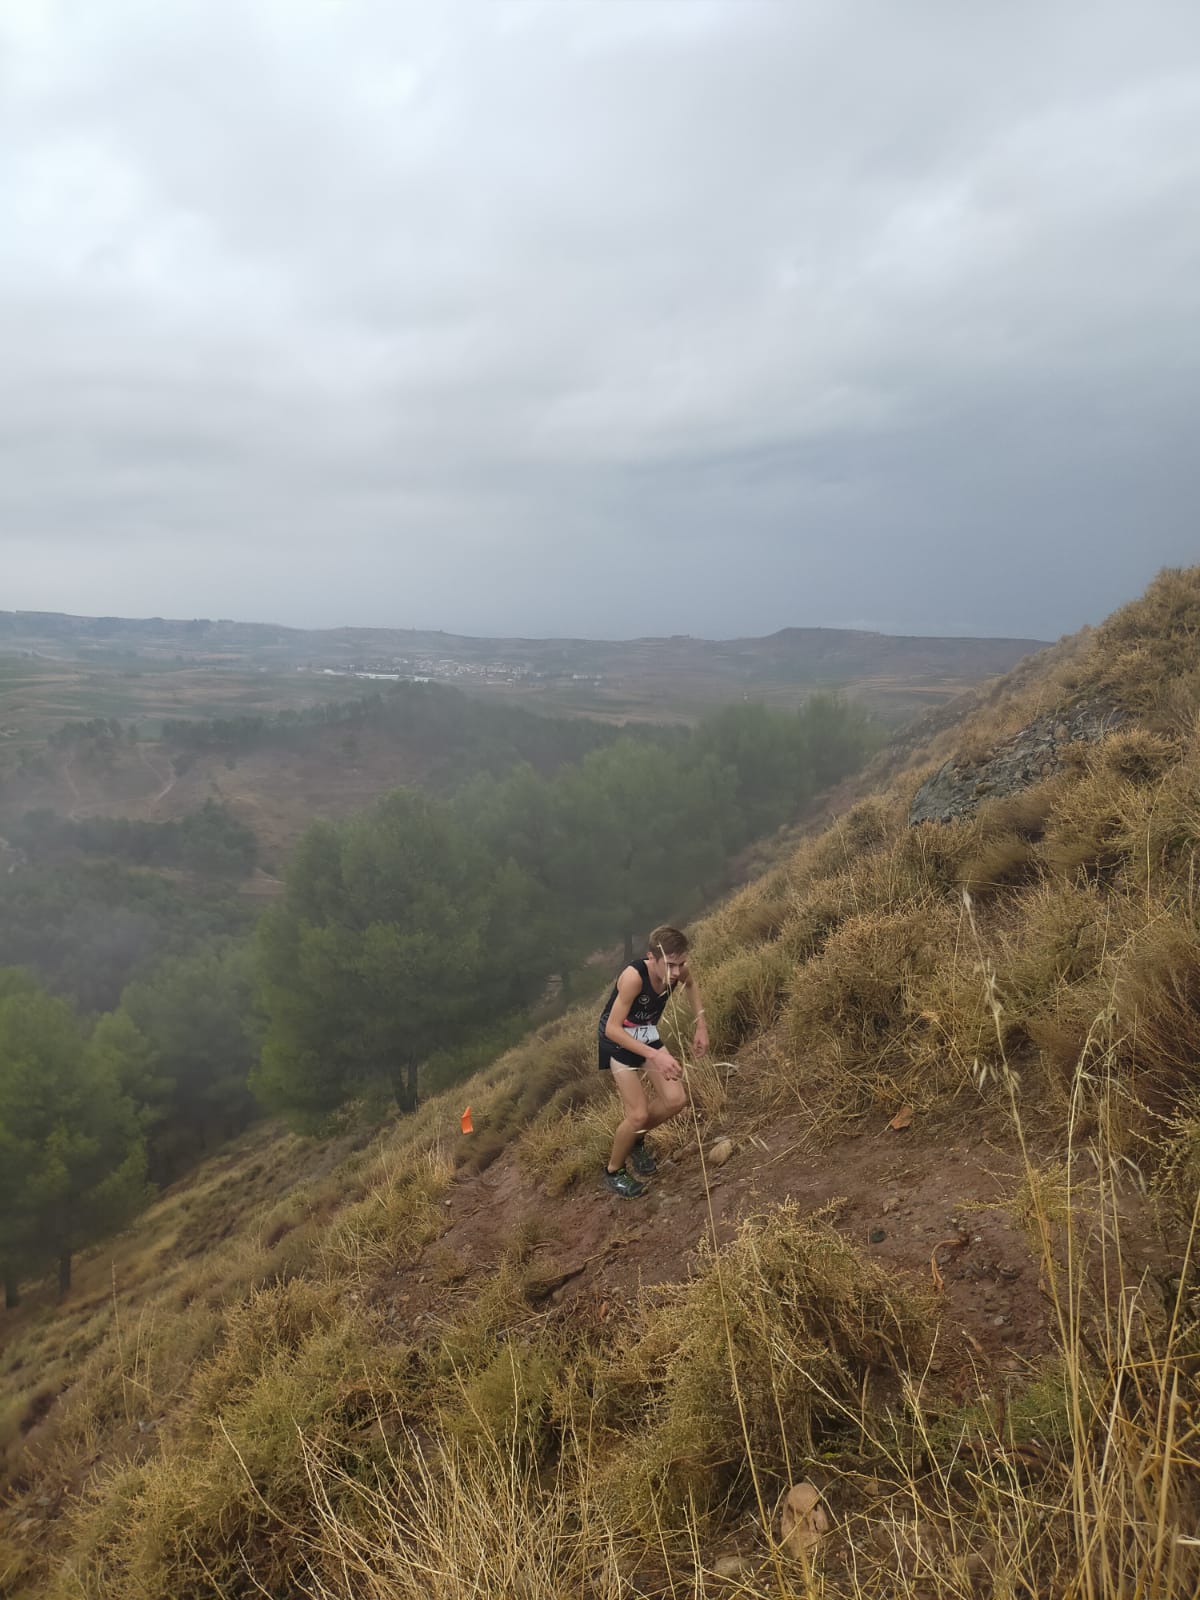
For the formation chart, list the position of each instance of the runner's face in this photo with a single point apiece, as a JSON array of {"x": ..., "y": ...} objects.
[{"x": 667, "y": 968}]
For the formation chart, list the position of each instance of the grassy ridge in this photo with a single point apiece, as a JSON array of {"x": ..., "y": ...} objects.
[{"x": 248, "y": 1416}]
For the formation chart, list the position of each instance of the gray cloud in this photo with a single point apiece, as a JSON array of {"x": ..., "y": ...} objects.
[{"x": 598, "y": 316}]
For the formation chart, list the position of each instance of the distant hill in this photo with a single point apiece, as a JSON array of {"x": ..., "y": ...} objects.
[
  {"x": 659, "y": 678},
  {"x": 152, "y": 675},
  {"x": 815, "y": 653}
]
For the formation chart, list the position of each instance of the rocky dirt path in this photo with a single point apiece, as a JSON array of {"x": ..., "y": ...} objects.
[{"x": 933, "y": 1202}]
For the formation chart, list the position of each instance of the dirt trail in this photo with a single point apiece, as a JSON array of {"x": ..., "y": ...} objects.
[
  {"x": 167, "y": 786},
  {"x": 934, "y": 1202}
]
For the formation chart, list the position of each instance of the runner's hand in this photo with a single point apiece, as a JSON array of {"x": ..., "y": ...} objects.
[{"x": 666, "y": 1063}]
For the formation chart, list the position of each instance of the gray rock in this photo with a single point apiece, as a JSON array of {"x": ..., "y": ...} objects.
[{"x": 1036, "y": 752}]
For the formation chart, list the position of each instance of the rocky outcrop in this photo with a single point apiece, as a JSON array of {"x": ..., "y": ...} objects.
[{"x": 1029, "y": 757}]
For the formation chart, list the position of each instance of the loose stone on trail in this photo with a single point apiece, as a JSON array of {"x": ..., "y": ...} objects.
[{"x": 803, "y": 1519}]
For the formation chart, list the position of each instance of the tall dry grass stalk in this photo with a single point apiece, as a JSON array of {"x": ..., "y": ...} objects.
[{"x": 1130, "y": 1511}]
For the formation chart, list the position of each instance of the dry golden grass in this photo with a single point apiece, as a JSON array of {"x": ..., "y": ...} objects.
[{"x": 1145, "y": 655}]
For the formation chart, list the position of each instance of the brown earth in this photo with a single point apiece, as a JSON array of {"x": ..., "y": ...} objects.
[{"x": 937, "y": 1202}]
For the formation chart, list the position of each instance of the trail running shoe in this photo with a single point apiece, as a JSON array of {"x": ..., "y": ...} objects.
[
  {"x": 641, "y": 1159},
  {"x": 624, "y": 1184}
]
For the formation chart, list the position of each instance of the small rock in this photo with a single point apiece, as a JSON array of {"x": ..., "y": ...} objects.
[
  {"x": 891, "y": 1205},
  {"x": 803, "y": 1519},
  {"x": 731, "y": 1567},
  {"x": 877, "y": 1235},
  {"x": 720, "y": 1152}
]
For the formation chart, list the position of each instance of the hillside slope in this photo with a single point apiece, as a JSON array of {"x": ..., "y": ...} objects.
[{"x": 945, "y": 1273}]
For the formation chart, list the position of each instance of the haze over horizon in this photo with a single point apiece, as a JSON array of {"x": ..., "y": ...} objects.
[
  {"x": 599, "y": 320},
  {"x": 267, "y": 622}
]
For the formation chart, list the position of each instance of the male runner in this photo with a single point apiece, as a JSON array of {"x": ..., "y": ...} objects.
[{"x": 630, "y": 1048}]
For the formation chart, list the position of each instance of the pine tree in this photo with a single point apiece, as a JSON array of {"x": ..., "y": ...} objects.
[{"x": 74, "y": 1161}]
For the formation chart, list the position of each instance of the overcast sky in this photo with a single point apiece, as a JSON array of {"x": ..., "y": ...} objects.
[{"x": 560, "y": 317}]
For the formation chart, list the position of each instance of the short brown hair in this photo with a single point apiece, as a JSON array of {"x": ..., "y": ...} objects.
[{"x": 668, "y": 941}]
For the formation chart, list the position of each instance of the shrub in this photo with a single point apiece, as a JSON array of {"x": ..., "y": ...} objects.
[
  {"x": 761, "y": 1355},
  {"x": 743, "y": 995},
  {"x": 859, "y": 1016}
]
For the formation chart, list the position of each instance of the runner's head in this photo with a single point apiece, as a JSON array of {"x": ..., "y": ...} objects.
[{"x": 667, "y": 948}]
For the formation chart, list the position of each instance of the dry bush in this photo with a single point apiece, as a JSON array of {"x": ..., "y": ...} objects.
[
  {"x": 859, "y": 1016},
  {"x": 1162, "y": 835},
  {"x": 752, "y": 916},
  {"x": 1147, "y": 648},
  {"x": 743, "y": 995},
  {"x": 1088, "y": 833},
  {"x": 894, "y": 878},
  {"x": 870, "y": 825},
  {"x": 558, "y": 1152},
  {"x": 1179, "y": 702},
  {"x": 1135, "y": 755},
  {"x": 816, "y": 916},
  {"x": 1050, "y": 972},
  {"x": 399, "y": 1217},
  {"x": 738, "y": 1374},
  {"x": 1177, "y": 1180},
  {"x": 493, "y": 1381},
  {"x": 933, "y": 855},
  {"x": 1156, "y": 995},
  {"x": 229, "y": 1489},
  {"x": 505, "y": 1406},
  {"x": 1024, "y": 813},
  {"x": 1002, "y": 861},
  {"x": 1059, "y": 939},
  {"x": 996, "y": 848},
  {"x": 449, "y": 1523},
  {"x": 268, "y": 1323}
]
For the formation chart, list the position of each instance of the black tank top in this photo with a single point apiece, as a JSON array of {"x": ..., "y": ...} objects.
[{"x": 648, "y": 1006}]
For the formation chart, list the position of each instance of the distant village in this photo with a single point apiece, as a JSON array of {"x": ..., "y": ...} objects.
[{"x": 442, "y": 669}]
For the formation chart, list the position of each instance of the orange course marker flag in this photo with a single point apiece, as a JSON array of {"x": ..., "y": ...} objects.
[{"x": 467, "y": 1125}]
